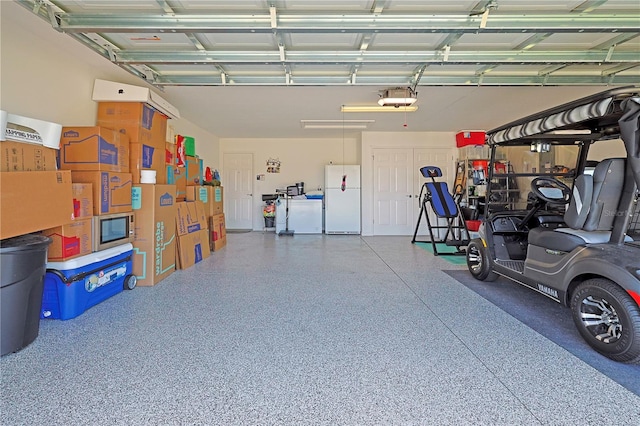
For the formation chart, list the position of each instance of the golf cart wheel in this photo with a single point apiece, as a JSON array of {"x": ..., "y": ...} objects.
[
  {"x": 608, "y": 319},
  {"x": 478, "y": 261},
  {"x": 130, "y": 282}
]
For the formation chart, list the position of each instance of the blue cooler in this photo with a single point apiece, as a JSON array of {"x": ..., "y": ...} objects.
[{"x": 72, "y": 287}]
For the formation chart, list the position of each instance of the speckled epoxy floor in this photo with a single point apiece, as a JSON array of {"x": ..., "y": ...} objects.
[{"x": 304, "y": 330}]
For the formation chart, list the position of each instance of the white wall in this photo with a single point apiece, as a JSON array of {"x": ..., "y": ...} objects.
[
  {"x": 302, "y": 160},
  {"x": 42, "y": 78},
  {"x": 373, "y": 140}
]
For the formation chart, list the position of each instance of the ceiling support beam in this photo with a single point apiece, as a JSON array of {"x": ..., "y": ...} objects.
[
  {"x": 53, "y": 18},
  {"x": 384, "y": 80},
  {"x": 618, "y": 69},
  {"x": 531, "y": 41},
  {"x": 193, "y": 38},
  {"x": 589, "y": 6},
  {"x": 345, "y": 23},
  {"x": 522, "y": 57},
  {"x": 415, "y": 81},
  {"x": 163, "y": 4},
  {"x": 480, "y": 7},
  {"x": 622, "y": 38},
  {"x": 449, "y": 40}
]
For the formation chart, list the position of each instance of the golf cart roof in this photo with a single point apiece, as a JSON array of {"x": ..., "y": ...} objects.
[{"x": 590, "y": 118}]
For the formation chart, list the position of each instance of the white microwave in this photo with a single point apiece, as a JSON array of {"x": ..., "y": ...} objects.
[{"x": 112, "y": 230}]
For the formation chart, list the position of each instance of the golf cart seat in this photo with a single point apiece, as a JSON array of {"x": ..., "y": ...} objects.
[{"x": 591, "y": 211}]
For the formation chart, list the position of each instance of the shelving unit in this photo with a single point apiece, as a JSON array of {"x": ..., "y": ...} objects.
[
  {"x": 471, "y": 177},
  {"x": 504, "y": 186}
]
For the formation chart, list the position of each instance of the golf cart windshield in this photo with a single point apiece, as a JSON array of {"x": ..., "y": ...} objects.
[{"x": 515, "y": 166}]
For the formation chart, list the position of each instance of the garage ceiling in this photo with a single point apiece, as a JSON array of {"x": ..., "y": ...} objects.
[
  {"x": 355, "y": 43},
  {"x": 365, "y": 42}
]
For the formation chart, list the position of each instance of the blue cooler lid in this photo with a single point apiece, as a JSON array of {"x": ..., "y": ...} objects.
[{"x": 88, "y": 259}]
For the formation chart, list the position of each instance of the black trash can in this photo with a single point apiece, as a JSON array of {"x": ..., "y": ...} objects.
[{"x": 23, "y": 263}]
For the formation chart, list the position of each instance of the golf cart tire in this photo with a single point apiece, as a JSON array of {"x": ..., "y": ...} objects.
[
  {"x": 601, "y": 298},
  {"x": 478, "y": 261}
]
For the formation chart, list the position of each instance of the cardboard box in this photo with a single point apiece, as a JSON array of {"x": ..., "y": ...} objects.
[
  {"x": 211, "y": 197},
  {"x": 141, "y": 122},
  {"x": 218, "y": 232},
  {"x": 154, "y": 246},
  {"x": 111, "y": 191},
  {"x": 216, "y": 200},
  {"x": 94, "y": 148},
  {"x": 197, "y": 193},
  {"x": 469, "y": 137},
  {"x": 33, "y": 201},
  {"x": 190, "y": 217},
  {"x": 70, "y": 240},
  {"x": 180, "y": 180},
  {"x": 82, "y": 200},
  {"x": 192, "y": 248},
  {"x": 147, "y": 157},
  {"x": 193, "y": 167},
  {"x": 24, "y": 157}
]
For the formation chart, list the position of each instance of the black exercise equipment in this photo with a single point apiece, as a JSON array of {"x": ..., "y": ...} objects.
[{"x": 445, "y": 207}]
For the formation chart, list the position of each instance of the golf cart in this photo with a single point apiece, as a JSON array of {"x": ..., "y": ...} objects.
[{"x": 565, "y": 226}]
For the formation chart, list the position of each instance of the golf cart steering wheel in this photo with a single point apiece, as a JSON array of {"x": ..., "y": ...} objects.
[{"x": 550, "y": 190}]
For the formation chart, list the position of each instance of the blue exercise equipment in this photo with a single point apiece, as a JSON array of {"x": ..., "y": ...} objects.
[{"x": 446, "y": 207}]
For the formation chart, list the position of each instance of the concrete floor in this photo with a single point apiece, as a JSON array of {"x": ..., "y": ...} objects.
[{"x": 304, "y": 330}]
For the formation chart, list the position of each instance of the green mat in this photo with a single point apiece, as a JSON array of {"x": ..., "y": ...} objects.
[{"x": 443, "y": 248}]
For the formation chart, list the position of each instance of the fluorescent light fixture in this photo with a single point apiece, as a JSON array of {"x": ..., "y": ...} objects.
[
  {"x": 396, "y": 102},
  {"x": 336, "y": 124},
  {"x": 378, "y": 108}
]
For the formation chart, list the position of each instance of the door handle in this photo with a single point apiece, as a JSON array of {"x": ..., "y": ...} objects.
[{"x": 409, "y": 195}]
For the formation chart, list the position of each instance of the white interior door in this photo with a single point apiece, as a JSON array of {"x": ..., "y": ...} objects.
[
  {"x": 393, "y": 177},
  {"x": 397, "y": 185},
  {"x": 442, "y": 158},
  {"x": 238, "y": 190}
]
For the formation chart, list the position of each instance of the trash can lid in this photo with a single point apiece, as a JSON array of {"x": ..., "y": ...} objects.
[{"x": 24, "y": 242}]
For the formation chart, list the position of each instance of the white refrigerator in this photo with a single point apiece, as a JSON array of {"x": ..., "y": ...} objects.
[{"x": 342, "y": 199}]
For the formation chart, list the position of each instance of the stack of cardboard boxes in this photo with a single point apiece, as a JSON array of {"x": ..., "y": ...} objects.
[
  {"x": 153, "y": 204},
  {"x": 34, "y": 194},
  {"x": 210, "y": 196},
  {"x": 176, "y": 220},
  {"x": 98, "y": 159}
]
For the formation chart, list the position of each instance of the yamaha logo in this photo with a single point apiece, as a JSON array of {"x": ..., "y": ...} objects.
[{"x": 547, "y": 290}]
